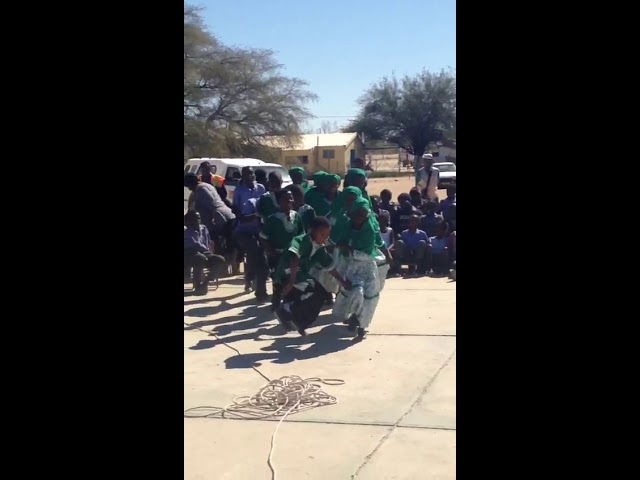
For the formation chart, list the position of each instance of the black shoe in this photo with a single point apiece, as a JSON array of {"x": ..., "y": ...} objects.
[
  {"x": 353, "y": 323},
  {"x": 261, "y": 299},
  {"x": 302, "y": 332},
  {"x": 362, "y": 334},
  {"x": 201, "y": 290},
  {"x": 281, "y": 315}
]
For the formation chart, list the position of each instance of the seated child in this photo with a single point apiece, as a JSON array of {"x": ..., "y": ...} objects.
[
  {"x": 446, "y": 204},
  {"x": 198, "y": 252},
  {"x": 430, "y": 221},
  {"x": 411, "y": 248},
  {"x": 400, "y": 218},
  {"x": 386, "y": 232},
  {"x": 439, "y": 251},
  {"x": 416, "y": 198},
  {"x": 385, "y": 201}
]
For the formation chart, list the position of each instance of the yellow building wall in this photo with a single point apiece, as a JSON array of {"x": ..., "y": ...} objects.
[
  {"x": 285, "y": 159},
  {"x": 332, "y": 165},
  {"x": 339, "y": 164}
]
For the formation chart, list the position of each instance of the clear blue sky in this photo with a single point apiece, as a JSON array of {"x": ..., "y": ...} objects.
[{"x": 340, "y": 46}]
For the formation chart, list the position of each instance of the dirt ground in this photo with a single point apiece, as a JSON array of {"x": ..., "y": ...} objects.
[{"x": 396, "y": 185}]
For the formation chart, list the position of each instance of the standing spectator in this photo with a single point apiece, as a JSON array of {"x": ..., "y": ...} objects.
[
  {"x": 247, "y": 230},
  {"x": 215, "y": 215},
  {"x": 411, "y": 248},
  {"x": 216, "y": 181},
  {"x": 428, "y": 177},
  {"x": 247, "y": 189},
  {"x": 358, "y": 163},
  {"x": 261, "y": 177}
]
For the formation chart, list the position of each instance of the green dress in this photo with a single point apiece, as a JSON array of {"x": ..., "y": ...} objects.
[
  {"x": 305, "y": 187},
  {"x": 318, "y": 201},
  {"x": 279, "y": 229},
  {"x": 267, "y": 205},
  {"x": 310, "y": 255}
]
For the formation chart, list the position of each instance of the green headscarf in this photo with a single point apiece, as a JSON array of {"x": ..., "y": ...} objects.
[
  {"x": 360, "y": 203},
  {"x": 366, "y": 237},
  {"x": 335, "y": 177},
  {"x": 300, "y": 170},
  {"x": 304, "y": 185},
  {"x": 355, "y": 172},
  {"x": 320, "y": 178},
  {"x": 337, "y": 207},
  {"x": 354, "y": 190}
]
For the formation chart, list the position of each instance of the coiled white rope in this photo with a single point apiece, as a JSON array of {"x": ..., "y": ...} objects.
[
  {"x": 277, "y": 398},
  {"x": 290, "y": 394},
  {"x": 280, "y": 397}
]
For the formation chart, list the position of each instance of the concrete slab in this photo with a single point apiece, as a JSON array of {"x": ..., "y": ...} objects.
[
  {"x": 420, "y": 312},
  {"x": 413, "y": 454},
  {"x": 238, "y": 449},
  {"x": 384, "y": 376},
  {"x": 437, "y": 408},
  {"x": 207, "y": 382}
]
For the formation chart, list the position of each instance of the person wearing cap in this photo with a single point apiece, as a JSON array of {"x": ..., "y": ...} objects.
[
  {"x": 297, "y": 177},
  {"x": 428, "y": 178}
]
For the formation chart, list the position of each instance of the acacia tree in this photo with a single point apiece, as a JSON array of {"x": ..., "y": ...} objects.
[
  {"x": 413, "y": 112},
  {"x": 235, "y": 96}
]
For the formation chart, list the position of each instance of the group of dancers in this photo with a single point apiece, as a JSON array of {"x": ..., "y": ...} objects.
[{"x": 322, "y": 242}]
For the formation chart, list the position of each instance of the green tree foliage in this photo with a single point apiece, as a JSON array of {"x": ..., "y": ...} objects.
[
  {"x": 235, "y": 96},
  {"x": 413, "y": 112}
]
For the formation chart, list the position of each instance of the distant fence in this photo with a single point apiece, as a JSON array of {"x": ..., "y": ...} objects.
[
  {"x": 389, "y": 161},
  {"x": 397, "y": 161}
]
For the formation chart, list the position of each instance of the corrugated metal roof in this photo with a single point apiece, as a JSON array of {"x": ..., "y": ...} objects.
[{"x": 309, "y": 141}]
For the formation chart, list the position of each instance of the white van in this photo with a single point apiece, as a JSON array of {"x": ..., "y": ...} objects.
[{"x": 230, "y": 169}]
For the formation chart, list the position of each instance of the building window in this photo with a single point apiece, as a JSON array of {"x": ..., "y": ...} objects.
[
  {"x": 303, "y": 159},
  {"x": 328, "y": 154}
]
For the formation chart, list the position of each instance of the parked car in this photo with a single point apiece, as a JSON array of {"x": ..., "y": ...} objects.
[
  {"x": 230, "y": 169},
  {"x": 447, "y": 173}
]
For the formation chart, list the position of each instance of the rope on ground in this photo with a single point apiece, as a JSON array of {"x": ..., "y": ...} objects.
[{"x": 278, "y": 398}]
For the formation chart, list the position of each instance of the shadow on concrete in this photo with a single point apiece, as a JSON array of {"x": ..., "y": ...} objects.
[
  {"x": 217, "y": 299},
  {"x": 290, "y": 348},
  {"x": 260, "y": 314}
]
